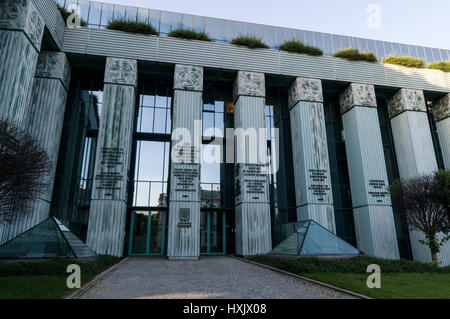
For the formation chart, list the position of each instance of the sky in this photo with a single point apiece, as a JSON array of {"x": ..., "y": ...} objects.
[{"x": 425, "y": 23}]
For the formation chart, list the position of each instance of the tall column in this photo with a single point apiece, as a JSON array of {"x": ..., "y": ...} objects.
[
  {"x": 184, "y": 206},
  {"x": 253, "y": 229},
  {"x": 21, "y": 31},
  {"x": 112, "y": 163},
  {"x": 441, "y": 112},
  {"x": 374, "y": 219},
  {"x": 415, "y": 152},
  {"x": 313, "y": 194},
  {"x": 45, "y": 121}
]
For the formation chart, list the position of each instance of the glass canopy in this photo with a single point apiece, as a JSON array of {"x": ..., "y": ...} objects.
[
  {"x": 46, "y": 240},
  {"x": 311, "y": 239}
]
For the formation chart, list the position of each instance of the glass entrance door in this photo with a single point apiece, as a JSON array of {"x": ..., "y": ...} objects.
[
  {"x": 212, "y": 233},
  {"x": 147, "y": 233}
]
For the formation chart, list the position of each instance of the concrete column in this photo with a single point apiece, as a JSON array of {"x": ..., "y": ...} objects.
[
  {"x": 253, "y": 233},
  {"x": 374, "y": 219},
  {"x": 184, "y": 206},
  {"x": 441, "y": 112},
  {"x": 21, "y": 31},
  {"x": 314, "y": 197},
  {"x": 108, "y": 206},
  {"x": 45, "y": 120},
  {"x": 415, "y": 152}
]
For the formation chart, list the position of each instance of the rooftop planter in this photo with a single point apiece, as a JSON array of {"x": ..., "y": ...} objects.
[
  {"x": 65, "y": 14},
  {"x": 406, "y": 61},
  {"x": 189, "y": 35},
  {"x": 443, "y": 66},
  {"x": 295, "y": 46},
  {"x": 249, "y": 42},
  {"x": 352, "y": 54},
  {"x": 131, "y": 26}
]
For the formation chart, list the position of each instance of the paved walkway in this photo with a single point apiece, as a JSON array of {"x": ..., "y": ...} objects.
[{"x": 209, "y": 277}]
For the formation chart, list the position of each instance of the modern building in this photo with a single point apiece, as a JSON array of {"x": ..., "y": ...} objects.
[{"x": 104, "y": 105}]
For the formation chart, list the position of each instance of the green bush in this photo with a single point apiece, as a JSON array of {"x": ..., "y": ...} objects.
[
  {"x": 250, "y": 42},
  {"x": 349, "y": 265},
  {"x": 131, "y": 26},
  {"x": 66, "y": 14},
  {"x": 295, "y": 46},
  {"x": 189, "y": 34},
  {"x": 352, "y": 54},
  {"x": 443, "y": 66},
  {"x": 407, "y": 61},
  {"x": 57, "y": 266}
]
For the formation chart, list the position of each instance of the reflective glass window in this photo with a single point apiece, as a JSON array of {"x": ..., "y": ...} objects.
[
  {"x": 413, "y": 51},
  {"x": 177, "y": 21},
  {"x": 380, "y": 50},
  {"x": 388, "y": 48},
  {"x": 165, "y": 22},
  {"x": 421, "y": 52},
  {"x": 336, "y": 42},
  {"x": 429, "y": 55},
  {"x": 251, "y": 30},
  {"x": 309, "y": 38},
  {"x": 404, "y": 50},
  {"x": 280, "y": 36},
  {"x": 95, "y": 13},
  {"x": 362, "y": 44},
  {"x": 290, "y": 34},
  {"x": 229, "y": 30},
  {"x": 142, "y": 15},
  {"x": 119, "y": 11},
  {"x": 371, "y": 46},
  {"x": 345, "y": 42},
  {"x": 300, "y": 35},
  {"x": 188, "y": 21},
  {"x": 240, "y": 28},
  {"x": 155, "y": 19},
  {"x": 220, "y": 29},
  {"x": 198, "y": 24},
  {"x": 271, "y": 36},
  {"x": 318, "y": 40},
  {"x": 210, "y": 28},
  {"x": 328, "y": 44},
  {"x": 131, "y": 13},
  {"x": 437, "y": 55},
  {"x": 107, "y": 14}
]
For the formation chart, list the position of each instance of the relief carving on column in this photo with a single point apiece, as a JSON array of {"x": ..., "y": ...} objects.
[
  {"x": 249, "y": 83},
  {"x": 121, "y": 71},
  {"x": 54, "y": 65},
  {"x": 22, "y": 15},
  {"x": 303, "y": 89},
  {"x": 188, "y": 77},
  {"x": 441, "y": 109},
  {"x": 406, "y": 100},
  {"x": 357, "y": 95}
]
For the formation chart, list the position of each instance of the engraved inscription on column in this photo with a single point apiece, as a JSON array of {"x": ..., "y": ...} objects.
[
  {"x": 319, "y": 184},
  {"x": 377, "y": 189},
  {"x": 252, "y": 178},
  {"x": 111, "y": 166}
]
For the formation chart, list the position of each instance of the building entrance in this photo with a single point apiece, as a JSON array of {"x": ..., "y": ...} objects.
[
  {"x": 213, "y": 233},
  {"x": 147, "y": 233}
]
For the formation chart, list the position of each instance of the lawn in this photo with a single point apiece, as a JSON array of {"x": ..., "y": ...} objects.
[
  {"x": 46, "y": 279},
  {"x": 400, "y": 279}
]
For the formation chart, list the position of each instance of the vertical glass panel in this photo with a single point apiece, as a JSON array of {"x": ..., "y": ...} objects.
[
  {"x": 309, "y": 39},
  {"x": 188, "y": 21},
  {"x": 210, "y": 168},
  {"x": 219, "y": 124},
  {"x": 168, "y": 121},
  {"x": 142, "y": 15},
  {"x": 353, "y": 42},
  {"x": 345, "y": 42},
  {"x": 119, "y": 11},
  {"x": 156, "y": 229},
  {"x": 328, "y": 44},
  {"x": 177, "y": 21},
  {"x": 107, "y": 14},
  {"x": 229, "y": 30},
  {"x": 300, "y": 35},
  {"x": 261, "y": 32},
  {"x": 160, "y": 120},
  {"x": 250, "y": 29},
  {"x": 165, "y": 22},
  {"x": 396, "y": 49},
  {"x": 280, "y": 36},
  {"x": 155, "y": 19},
  {"x": 429, "y": 55},
  {"x": 413, "y": 51},
  {"x": 95, "y": 13},
  {"x": 156, "y": 191},
  {"x": 145, "y": 120},
  {"x": 131, "y": 13},
  {"x": 140, "y": 229},
  {"x": 240, "y": 28},
  {"x": 147, "y": 100},
  {"x": 216, "y": 232},
  {"x": 371, "y": 46},
  {"x": 437, "y": 55},
  {"x": 198, "y": 24},
  {"x": 203, "y": 232},
  {"x": 404, "y": 50},
  {"x": 154, "y": 151},
  {"x": 421, "y": 52},
  {"x": 388, "y": 48},
  {"x": 337, "y": 45},
  {"x": 208, "y": 124},
  {"x": 271, "y": 36},
  {"x": 210, "y": 28},
  {"x": 71, "y": 5},
  {"x": 318, "y": 40},
  {"x": 220, "y": 29},
  {"x": 445, "y": 55},
  {"x": 380, "y": 50},
  {"x": 362, "y": 44}
]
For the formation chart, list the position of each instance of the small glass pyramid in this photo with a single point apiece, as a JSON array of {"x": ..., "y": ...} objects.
[
  {"x": 311, "y": 239},
  {"x": 46, "y": 240}
]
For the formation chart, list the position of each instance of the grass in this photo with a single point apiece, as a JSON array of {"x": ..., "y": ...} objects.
[
  {"x": 130, "y": 26},
  {"x": 295, "y": 46},
  {"x": 352, "y": 54},
  {"x": 443, "y": 66},
  {"x": 249, "y": 42},
  {"x": 46, "y": 279},
  {"x": 66, "y": 14},
  {"x": 189, "y": 35},
  {"x": 406, "y": 61},
  {"x": 399, "y": 278}
]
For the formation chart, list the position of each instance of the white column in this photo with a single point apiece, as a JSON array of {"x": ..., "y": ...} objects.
[
  {"x": 441, "y": 112},
  {"x": 44, "y": 122},
  {"x": 253, "y": 232},
  {"x": 415, "y": 153},
  {"x": 21, "y": 31},
  {"x": 109, "y": 195},
  {"x": 314, "y": 197},
  {"x": 374, "y": 219},
  {"x": 184, "y": 206}
]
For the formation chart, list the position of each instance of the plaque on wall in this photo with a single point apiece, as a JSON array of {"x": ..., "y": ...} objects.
[{"x": 185, "y": 217}]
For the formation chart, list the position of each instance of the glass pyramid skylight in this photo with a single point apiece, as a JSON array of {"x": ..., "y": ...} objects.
[
  {"x": 46, "y": 240},
  {"x": 311, "y": 239}
]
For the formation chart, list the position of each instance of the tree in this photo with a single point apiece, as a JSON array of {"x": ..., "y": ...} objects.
[
  {"x": 24, "y": 166},
  {"x": 425, "y": 207}
]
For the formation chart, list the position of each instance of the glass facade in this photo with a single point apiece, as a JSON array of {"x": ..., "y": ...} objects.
[{"x": 98, "y": 14}]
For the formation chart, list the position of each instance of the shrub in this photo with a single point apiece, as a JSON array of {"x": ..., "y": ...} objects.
[
  {"x": 189, "y": 34},
  {"x": 407, "y": 61},
  {"x": 295, "y": 46},
  {"x": 349, "y": 265},
  {"x": 443, "y": 66},
  {"x": 250, "y": 42},
  {"x": 352, "y": 54},
  {"x": 57, "y": 266},
  {"x": 131, "y": 26},
  {"x": 66, "y": 14}
]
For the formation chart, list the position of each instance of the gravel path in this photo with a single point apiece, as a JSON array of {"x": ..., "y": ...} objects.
[{"x": 209, "y": 277}]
